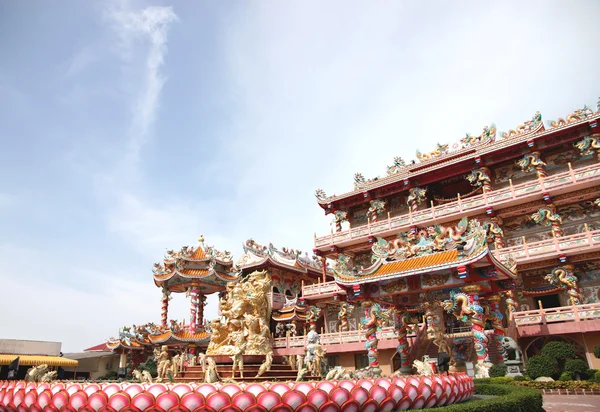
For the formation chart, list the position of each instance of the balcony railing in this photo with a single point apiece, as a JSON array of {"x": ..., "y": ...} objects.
[
  {"x": 562, "y": 314},
  {"x": 471, "y": 205},
  {"x": 322, "y": 290},
  {"x": 543, "y": 249},
  {"x": 335, "y": 338}
]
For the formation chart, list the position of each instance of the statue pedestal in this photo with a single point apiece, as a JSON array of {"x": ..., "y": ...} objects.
[{"x": 513, "y": 368}]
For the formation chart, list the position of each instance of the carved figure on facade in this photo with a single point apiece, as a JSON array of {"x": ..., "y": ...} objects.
[
  {"x": 525, "y": 128},
  {"x": 398, "y": 165},
  {"x": 320, "y": 194},
  {"x": 279, "y": 330},
  {"x": 377, "y": 207},
  {"x": 266, "y": 365},
  {"x": 511, "y": 303},
  {"x": 488, "y": 135},
  {"x": 438, "y": 338},
  {"x": 440, "y": 150},
  {"x": 532, "y": 161},
  {"x": 345, "y": 311},
  {"x": 291, "y": 329},
  {"x": 564, "y": 278},
  {"x": 480, "y": 178},
  {"x": 340, "y": 216},
  {"x": 496, "y": 319},
  {"x": 416, "y": 196},
  {"x": 577, "y": 115},
  {"x": 164, "y": 364},
  {"x": 547, "y": 216},
  {"x": 495, "y": 232},
  {"x": 343, "y": 265},
  {"x": 588, "y": 145}
]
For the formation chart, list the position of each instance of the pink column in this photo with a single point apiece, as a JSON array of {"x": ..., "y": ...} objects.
[
  {"x": 201, "y": 303},
  {"x": 164, "y": 314},
  {"x": 193, "y": 308}
]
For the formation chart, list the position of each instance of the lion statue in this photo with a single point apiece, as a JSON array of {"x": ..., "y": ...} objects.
[{"x": 511, "y": 349}]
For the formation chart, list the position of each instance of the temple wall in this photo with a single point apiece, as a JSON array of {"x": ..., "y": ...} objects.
[
  {"x": 346, "y": 360},
  {"x": 385, "y": 361}
]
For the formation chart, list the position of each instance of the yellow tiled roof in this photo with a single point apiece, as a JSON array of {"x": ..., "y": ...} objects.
[
  {"x": 35, "y": 360},
  {"x": 199, "y": 253}
]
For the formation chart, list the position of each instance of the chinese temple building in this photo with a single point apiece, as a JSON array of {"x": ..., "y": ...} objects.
[{"x": 496, "y": 236}]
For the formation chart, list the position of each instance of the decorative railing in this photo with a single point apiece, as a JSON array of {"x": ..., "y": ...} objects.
[
  {"x": 352, "y": 336},
  {"x": 322, "y": 289},
  {"x": 471, "y": 205},
  {"x": 561, "y": 314},
  {"x": 550, "y": 247}
]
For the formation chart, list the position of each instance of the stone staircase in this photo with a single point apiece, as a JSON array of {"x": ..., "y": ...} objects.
[{"x": 280, "y": 370}]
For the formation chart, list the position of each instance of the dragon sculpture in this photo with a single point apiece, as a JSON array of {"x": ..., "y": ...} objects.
[
  {"x": 576, "y": 116},
  {"x": 40, "y": 373},
  {"x": 526, "y": 127},
  {"x": 440, "y": 150},
  {"x": 403, "y": 325},
  {"x": 533, "y": 161},
  {"x": 547, "y": 215},
  {"x": 377, "y": 207},
  {"x": 588, "y": 145},
  {"x": 345, "y": 311},
  {"x": 340, "y": 216},
  {"x": 433, "y": 239},
  {"x": 398, "y": 165},
  {"x": 564, "y": 278},
  {"x": 320, "y": 194},
  {"x": 416, "y": 196},
  {"x": 375, "y": 317},
  {"x": 480, "y": 178},
  {"x": 488, "y": 135},
  {"x": 494, "y": 232},
  {"x": 360, "y": 180},
  {"x": 466, "y": 308},
  {"x": 343, "y": 265},
  {"x": 495, "y": 317}
]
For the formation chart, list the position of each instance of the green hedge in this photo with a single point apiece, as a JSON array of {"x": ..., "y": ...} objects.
[
  {"x": 509, "y": 399},
  {"x": 559, "y": 385}
]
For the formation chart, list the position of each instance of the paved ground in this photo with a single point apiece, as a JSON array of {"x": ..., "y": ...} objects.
[{"x": 572, "y": 403}]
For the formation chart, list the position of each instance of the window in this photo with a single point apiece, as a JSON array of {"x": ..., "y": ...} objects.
[
  {"x": 332, "y": 361},
  {"x": 361, "y": 360}
]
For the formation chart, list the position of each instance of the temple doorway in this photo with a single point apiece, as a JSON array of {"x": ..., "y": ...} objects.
[{"x": 550, "y": 301}]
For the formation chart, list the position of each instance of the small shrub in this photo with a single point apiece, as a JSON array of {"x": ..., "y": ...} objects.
[
  {"x": 596, "y": 377},
  {"x": 541, "y": 365},
  {"x": 576, "y": 368},
  {"x": 501, "y": 380},
  {"x": 565, "y": 376},
  {"x": 561, "y": 351},
  {"x": 497, "y": 371},
  {"x": 571, "y": 385},
  {"x": 591, "y": 373},
  {"x": 597, "y": 351},
  {"x": 507, "y": 399},
  {"x": 520, "y": 378}
]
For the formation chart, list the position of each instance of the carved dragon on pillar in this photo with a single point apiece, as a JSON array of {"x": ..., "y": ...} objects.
[
  {"x": 377, "y": 207},
  {"x": 340, "y": 216},
  {"x": 588, "y": 145},
  {"x": 547, "y": 215},
  {"x": 480, "y": 178},
  {"x": 495, "y": 232},
  {"x": 416, "y": 196},
  {"x": 563, "y": 277},
  {"x": 533, "y": 161}
]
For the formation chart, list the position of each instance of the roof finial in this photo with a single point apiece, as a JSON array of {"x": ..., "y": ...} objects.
[{"x": 201, "y": 239}]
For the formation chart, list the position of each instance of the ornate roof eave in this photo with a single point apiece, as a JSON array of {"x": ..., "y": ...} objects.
[
  {"x": 459, "y": 155},
  {"x": 501, "y": 266},
  {"x": 114, "y": 345},
  {"x": 210, "y": 273},
  {"x": 467, "y": 260},
  {"x": 289, "y": 316},
  {"x": 178, "y": 337}
]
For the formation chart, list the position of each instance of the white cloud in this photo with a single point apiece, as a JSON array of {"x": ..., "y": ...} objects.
[{"x": 150, "y": 25}]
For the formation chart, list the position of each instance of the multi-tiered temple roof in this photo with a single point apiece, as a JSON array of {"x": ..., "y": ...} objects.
[
  {"x": 460, "y": 156},
  {"x": 201, "y": 266}
]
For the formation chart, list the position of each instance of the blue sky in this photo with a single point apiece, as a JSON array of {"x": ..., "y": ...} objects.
[{"x": 131, "y": 127}]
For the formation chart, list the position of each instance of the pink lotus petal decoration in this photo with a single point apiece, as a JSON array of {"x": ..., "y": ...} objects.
[{"x": 365, "y": 395}]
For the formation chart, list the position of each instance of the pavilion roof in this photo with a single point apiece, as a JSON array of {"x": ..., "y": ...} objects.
[
  {"x": 256, "y": 256},
  {"x": 200, "y": 265},
  {"x": 469, "y": 147}
]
